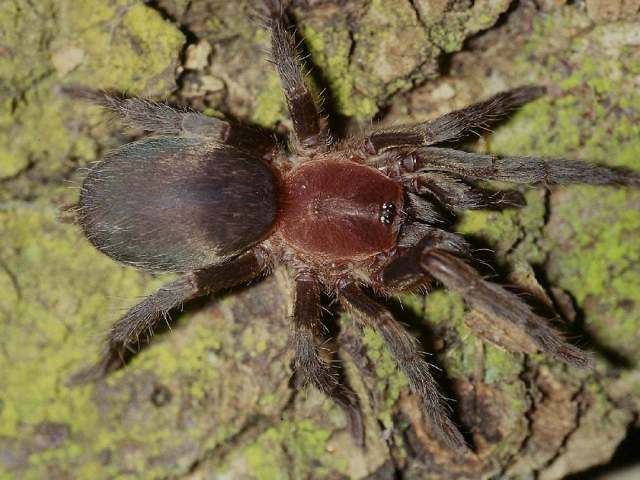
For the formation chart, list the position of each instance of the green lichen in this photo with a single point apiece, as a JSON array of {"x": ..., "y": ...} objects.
[
  {"x": 500, "y": 367},
  {"x": 121, "y": 45},
  {"x": 292, "y": 450},
  {"x": 329, "y": 50},
  {"x": 509, "y": 228},
  {"x": 53, "y": 308},
  {"x": 391, "y": 50},
  {"x": 47, "y": 326},
  {"x": 588, "y": 242},
  {"x": 584, "y": 236},
  {"x": 270, "y": 103},
  {"x": 455, "y": 26},
  {"x": 390, "y": 381},
  {"x": 388, "y": 51},
  {"x": 451, "y": 34},
  {"x": 52, "y": 320},
  {"x": 128, "y": 47},
  {"x": 497, "y": 228},
  {"x": 446, "y": 309},
  {"x": 253, "y": 343}
]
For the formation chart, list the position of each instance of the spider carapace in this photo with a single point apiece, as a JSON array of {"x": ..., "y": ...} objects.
[{"x": 340, "y": 210}]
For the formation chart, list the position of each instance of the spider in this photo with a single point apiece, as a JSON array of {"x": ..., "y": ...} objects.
[{"x": 221, "y": 204}]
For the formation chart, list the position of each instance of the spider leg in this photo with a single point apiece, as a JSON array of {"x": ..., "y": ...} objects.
[
  {"x": 437, "y": 261},
  {"x": 163, "y": 119},
  {"x": 308, "y": 125},
  {"x": 138, "y": 323},
  {"x": 405, "y": 267},
  {"x": 405, "y": 352},
  {"x": 527, "y": 170},
  {"x": 308, "y": 362},
  {"x": 454, "y": 125},
  {"x": 455, "y": 194}
]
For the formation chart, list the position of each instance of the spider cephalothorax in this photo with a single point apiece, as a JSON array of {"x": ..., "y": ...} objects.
[{"x": 222, "y": 204}]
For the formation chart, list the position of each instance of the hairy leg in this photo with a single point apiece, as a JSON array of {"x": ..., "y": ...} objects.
[
  {"x": 308, "y": 362},
  {"x": 163, "y": 119},
  {"x": 405, "y": 269},
  {"x": 405, "y": 352},
  {"x": 138, "y": 324},
  {"x": 309, "y": 127},
  {"x": 528, "y": 170},
  {"x": 454, "y": 125},
  {"x": 494, "y": 301},
  {"x": 433, "y": 259},
  {"x": 414, "y": 234},
  {"x": 456, "y": 194}
]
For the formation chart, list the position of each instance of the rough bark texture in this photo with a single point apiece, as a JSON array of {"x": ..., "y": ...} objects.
[{"x": 212, "y": 399}]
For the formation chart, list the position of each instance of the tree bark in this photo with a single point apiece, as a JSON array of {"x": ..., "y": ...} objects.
[{"x": 213, "y": 398}]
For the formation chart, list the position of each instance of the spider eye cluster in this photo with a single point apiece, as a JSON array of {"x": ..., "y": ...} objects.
[{"x": 387, "y": 213}]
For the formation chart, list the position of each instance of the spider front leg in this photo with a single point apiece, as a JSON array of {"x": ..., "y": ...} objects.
[
  {"x": 139, "y": 322},
  {"x": 409, "y": 359},
  {"x": 526, "y": 170},
  {"x": 455, "y": 194},
  {"x": 308, "y": 362},
  {"x": 454, "y": 125},
  {"x": 427, "y": 260}
]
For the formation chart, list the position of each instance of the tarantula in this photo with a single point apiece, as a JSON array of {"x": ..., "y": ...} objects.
[{"x": 222, "y": 204}]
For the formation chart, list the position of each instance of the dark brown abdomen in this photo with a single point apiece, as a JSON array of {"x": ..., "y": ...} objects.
[{"x": 340, "y": 210}]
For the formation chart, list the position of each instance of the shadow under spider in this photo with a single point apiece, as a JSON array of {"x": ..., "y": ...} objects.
[{"x": 576, "y": 328}]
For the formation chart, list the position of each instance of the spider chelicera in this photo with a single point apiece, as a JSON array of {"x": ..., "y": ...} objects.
[{"x": 222, "y": 204}]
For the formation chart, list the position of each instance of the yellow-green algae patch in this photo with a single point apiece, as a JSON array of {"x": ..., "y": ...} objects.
[
  {"x": 270, "y": 103},
  {"x": 391, "y": 50},
  {"x": 389, "y": 380},
  {"x": 454, "y": 26},
  {"x": 329, "y": 50},
  {"x": 61, "y": 294},
  {"x": 44, "y": 45},
  {"x": 56, "y": 309},
  {"x": 289, "y": 451}
]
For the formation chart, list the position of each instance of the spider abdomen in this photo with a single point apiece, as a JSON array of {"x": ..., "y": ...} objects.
[
  {"x": 177, "y": 204},
  {"x": 340, "y": 210}
]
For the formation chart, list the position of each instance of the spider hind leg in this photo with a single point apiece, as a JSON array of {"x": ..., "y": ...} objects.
[
  {"x": 138, "y": 324},
  {"x": 162, "y": 119},
  {"x": 408, "y": 358}
]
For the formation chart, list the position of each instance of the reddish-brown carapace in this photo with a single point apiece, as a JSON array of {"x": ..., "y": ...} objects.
[
  {"x": 222, "y": 204},
  {"x": 339, "y": 211}
]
